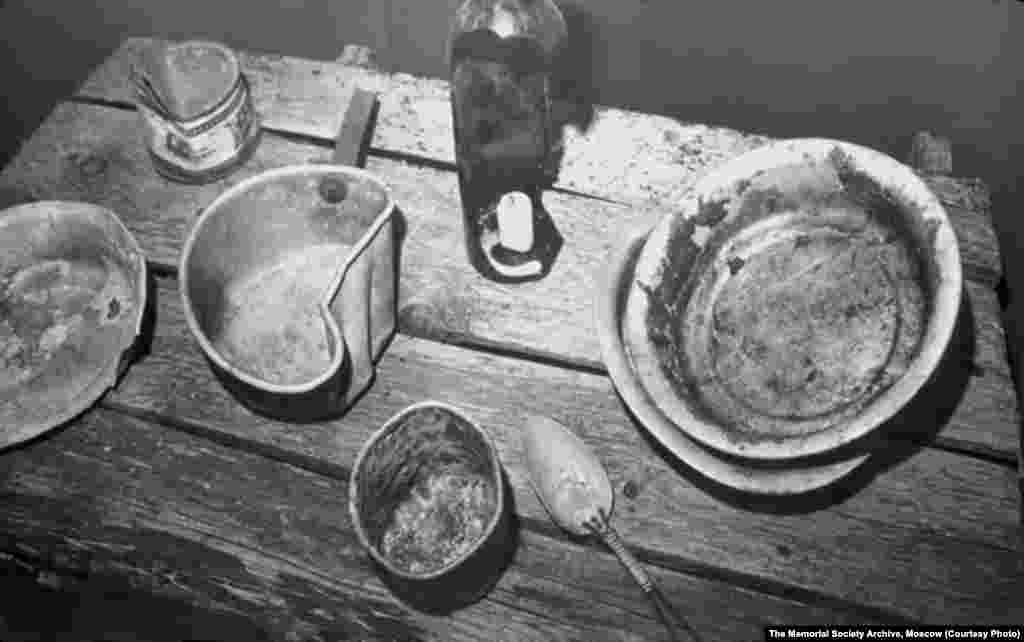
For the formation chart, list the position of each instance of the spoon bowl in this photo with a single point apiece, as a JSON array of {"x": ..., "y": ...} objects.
[
  {"x": 569, "y": 480},
  {"x": 574, "y": 488}
]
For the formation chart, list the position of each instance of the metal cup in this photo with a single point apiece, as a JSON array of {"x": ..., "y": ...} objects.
[
  {"x": 425, "y": 443},
  {"x": 335, "y": 221}
]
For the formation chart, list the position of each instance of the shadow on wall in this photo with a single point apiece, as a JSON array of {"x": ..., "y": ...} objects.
[{"x": 577, "y": 77}]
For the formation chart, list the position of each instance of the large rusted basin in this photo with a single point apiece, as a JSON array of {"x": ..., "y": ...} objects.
[{"x": 802, "y": 295}]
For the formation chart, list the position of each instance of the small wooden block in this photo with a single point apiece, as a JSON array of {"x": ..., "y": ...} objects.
[{"x": 356, "y": 131}]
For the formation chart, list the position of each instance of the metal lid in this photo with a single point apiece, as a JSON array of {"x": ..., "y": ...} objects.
[{"x": 187, "y": 80}]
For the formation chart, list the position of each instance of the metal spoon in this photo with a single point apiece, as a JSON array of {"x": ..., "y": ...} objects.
[{"x": 574, "y": 488}]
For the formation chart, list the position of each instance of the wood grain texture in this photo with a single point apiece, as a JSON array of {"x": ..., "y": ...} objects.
[
  {"x": 640, "y": 159},
  {"x": 930, "y": 534},
  {"x": 95, "y": 154},
  {"x": 921, "y": 532},
  {"x": 134, "y": 507}
]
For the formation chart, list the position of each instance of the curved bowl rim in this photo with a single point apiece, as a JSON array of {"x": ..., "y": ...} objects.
[
  {"x": 107, "y": 373},
  {"x": 214, "y": 208},
  {"x": 891, "y": 174},
  {"x": 772, "y": 481},
  {"x": 383, "y": 431}
]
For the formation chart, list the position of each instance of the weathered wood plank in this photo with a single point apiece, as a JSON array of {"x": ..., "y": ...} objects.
[
  {"x": 95, "y": 154},
  {"x": 105, "y": 609},
  {"x": 183, "y": 518},
  {"x": 931, "y": 534},
  {"x": 640, "y": 159},
  {"x": 301, "y": 96}
]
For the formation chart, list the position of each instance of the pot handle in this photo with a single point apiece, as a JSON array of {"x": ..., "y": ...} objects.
[{"x": 365, "y": 323}]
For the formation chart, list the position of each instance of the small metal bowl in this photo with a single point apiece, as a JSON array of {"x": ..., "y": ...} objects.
[
  {"x": 72, "y": 297},
  {"x": 803, "y": 294},
  {"x": 427, "y": 498}
]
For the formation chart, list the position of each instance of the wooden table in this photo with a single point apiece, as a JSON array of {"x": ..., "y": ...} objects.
[{"x": 170, "y": 492}]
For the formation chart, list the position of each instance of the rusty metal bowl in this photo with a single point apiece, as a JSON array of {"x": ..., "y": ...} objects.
[
  {"x": 802, "y": 295},
  {"x": 72, "y": 297},
  {"x": 287, "y": 282}
]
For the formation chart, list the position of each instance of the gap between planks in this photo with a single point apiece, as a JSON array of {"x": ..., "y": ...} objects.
[
  {"x": 378, "y": 152},
  {"x": 204, "y": 480},
  {"x": 649, "y": 557},
  {"x": 588, "y": 366},
  {"x": 218, "y": 413},
  {"x": 661, "y": 154},
  {"x": 465, "y": 311}
]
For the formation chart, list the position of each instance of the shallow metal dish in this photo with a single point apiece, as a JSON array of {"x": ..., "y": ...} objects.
[
  {"x": 72, "y": 297},
  {"x": 802, "y": 295}
]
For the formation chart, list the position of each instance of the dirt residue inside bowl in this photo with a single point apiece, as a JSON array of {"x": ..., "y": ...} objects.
[
  {"x": 273, "y": 328},
  {"x": 49, "y": 309},
  {"x": 445, "y": 514},
  {"x": 429, "y": 493},
  {"x": 801, "y": 320}
]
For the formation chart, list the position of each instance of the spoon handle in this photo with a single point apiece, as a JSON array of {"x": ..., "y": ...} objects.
[{"x": 672, "y": 621}]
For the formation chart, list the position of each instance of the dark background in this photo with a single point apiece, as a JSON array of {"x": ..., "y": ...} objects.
[{"x": 869, "y": 71}]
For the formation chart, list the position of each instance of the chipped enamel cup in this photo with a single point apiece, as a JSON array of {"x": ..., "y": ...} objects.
[
  {"x": 288, "y": 282},
  {"x": 428, "y": 499},
  {"x": 72, "y": 298},
  {"x": 802, "y": 295}
]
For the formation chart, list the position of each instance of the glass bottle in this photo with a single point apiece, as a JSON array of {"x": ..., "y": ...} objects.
[{"x": 507, "y": 146}]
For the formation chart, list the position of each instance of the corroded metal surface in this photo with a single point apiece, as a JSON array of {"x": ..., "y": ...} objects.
[
  {"x": 72, "y": 294},
  {"x": 803, "y": 297}
]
